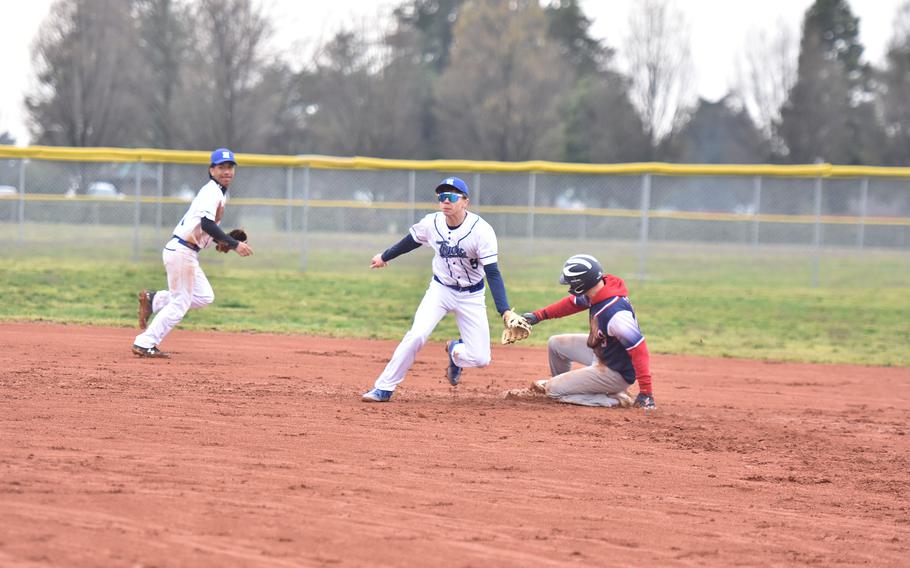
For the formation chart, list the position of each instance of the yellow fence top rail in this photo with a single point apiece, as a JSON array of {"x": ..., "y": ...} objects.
[{"x": 61, "y": 153}]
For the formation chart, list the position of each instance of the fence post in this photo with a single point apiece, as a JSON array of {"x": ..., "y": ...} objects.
[
  {"x": 289, "y": 195},
  {"x": 643, "y": 234},
  {"x": 532, "y": 192},
  {"x": 475, "y": 189},
  {"x": 412, "y": 197},
  {"x": 756, "y": 203},
  {"x": 863, "y": 210},
  {"x": 137, "y": 211},
  {"x": 160, "y": 189},
  {"x": 21, "y": 215},
  {"x": 817, "y": 236},
  {"x": 305, "y": 221}
]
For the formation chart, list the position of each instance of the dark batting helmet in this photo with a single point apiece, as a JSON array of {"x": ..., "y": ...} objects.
[{"x": 581, "y": 272}]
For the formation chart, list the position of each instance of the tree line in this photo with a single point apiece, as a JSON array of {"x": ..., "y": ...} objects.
[{"x": 502, "y": 80}]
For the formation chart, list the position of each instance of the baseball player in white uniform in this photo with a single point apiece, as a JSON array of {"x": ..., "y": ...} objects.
[
  {"x": 187, "y": 285},
  {"x": 465, "y": 251}
]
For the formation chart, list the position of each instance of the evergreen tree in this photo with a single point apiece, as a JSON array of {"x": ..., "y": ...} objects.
[
  {"x": 721, "y": 133},
  {"x": 827, "y": 115},
  {"x": 895, "y": 92},
  {"x": 568, "y": 25},
  {"x": 499, "y": 97}
]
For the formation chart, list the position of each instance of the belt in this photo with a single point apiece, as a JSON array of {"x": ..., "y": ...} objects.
[
  {"x": 474, "y": 288},
  {"x": 187, "y": 244}
]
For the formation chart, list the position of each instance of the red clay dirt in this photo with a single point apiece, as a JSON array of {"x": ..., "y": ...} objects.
[{"x": 255, "y": 450}]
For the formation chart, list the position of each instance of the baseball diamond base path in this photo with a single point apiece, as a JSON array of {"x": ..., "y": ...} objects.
[{"x": 255, "y": 450}]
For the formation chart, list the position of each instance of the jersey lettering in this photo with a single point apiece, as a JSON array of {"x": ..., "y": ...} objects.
[{"x": 448, "y": 251}]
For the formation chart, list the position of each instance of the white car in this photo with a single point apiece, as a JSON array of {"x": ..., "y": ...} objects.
[
  {"x": 185, "y": 193},
  {"x": 103, "y": 189},
  {"x": 7, "y": 190}
]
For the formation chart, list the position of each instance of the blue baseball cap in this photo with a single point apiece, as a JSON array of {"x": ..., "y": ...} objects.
[
  {"x": 454, "y": 183},
  {"x": 222, "y": 155}
]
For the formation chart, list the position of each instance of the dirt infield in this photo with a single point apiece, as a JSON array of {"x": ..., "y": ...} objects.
[{"x": 255, "y": 450}]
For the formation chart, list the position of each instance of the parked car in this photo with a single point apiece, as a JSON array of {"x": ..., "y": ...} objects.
[
  {"x": 569, "y": 199},
  {"x": 103, "y": 189},
  {"x": 185, "y": 193},
  {"x": 7, "y": 190}
]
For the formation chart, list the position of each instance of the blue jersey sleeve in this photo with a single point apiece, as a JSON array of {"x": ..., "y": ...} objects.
[
  {"x": 497, "y": 287},
  {"x": 407, "y": 244}
]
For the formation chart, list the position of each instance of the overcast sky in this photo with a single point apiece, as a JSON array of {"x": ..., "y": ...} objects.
[{"x": 718, "y": 29}]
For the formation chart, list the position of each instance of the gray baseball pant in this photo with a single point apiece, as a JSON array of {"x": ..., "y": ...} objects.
[{"x": 591, "y": 385}]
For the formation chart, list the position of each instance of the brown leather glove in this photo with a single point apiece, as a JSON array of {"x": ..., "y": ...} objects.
[
  {"x": 516, "y": 327},
  {"x": 238, "y": 234}
]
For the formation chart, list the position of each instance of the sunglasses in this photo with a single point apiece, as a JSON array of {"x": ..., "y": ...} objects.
[{"x": 450, "y": 195}]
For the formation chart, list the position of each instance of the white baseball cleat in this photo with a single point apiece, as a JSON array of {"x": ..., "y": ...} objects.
[
  {"x": 540, "y": 386},
  {"x": 625, "y": 401}
]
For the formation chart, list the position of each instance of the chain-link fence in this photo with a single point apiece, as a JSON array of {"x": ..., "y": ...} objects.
[{"x": 308, "y": 208}]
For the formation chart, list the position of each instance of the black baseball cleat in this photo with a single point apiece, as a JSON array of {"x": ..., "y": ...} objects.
[
  {"x": 453, "y": 371},
  {"x": 151, "y": 352}
]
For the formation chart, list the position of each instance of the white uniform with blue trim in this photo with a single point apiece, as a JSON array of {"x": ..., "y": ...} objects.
[
  {"x": 188, "y": 286},
  {"x": 457, "y": 286}
]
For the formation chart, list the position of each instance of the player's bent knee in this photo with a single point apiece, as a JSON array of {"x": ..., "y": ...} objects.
[{"x": 556, "y": 343}]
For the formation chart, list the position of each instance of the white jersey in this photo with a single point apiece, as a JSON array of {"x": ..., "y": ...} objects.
[
  {"x": 209, "y": 203},
  {"x": 461, "y": 253}
]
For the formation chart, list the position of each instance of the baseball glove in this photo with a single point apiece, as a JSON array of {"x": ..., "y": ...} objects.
[
  {"x": 238, "y": 234},
  {"x": 516, "y": 327}
]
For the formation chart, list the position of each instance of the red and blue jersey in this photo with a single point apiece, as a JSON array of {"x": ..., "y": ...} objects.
[{"x": 619, "y": 328}]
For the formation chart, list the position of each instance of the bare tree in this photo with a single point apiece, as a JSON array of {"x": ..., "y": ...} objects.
[
  {"x": 220, "y": 104},
  {"x": 163, "y": 36},
  {"x": 83, "y": 57},
  {"x": 659, "y": 61},
  {"x": 367, "y": 102},
  {"x": 766, "y": 71}
]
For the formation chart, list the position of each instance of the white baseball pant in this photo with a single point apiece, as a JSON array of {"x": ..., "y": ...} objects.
[
  {"x": 188, "y": 288},
  {"x": 471, "y": 317}
]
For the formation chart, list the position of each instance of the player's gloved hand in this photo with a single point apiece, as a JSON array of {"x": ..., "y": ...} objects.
[
  {"x": 645, "y": 401},
  {"x": 237, "y": 234},
  {"x": 516, "y": 327},
  {"x": 531, "y": 318}
]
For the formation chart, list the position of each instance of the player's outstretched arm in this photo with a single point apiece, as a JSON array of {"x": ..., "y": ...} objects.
[
  {"x": 407, "y": 244},
  {"x": 564, "y": 307}
]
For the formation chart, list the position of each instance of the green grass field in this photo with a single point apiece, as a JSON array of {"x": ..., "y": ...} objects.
[{"x": 712, "y": 302}]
